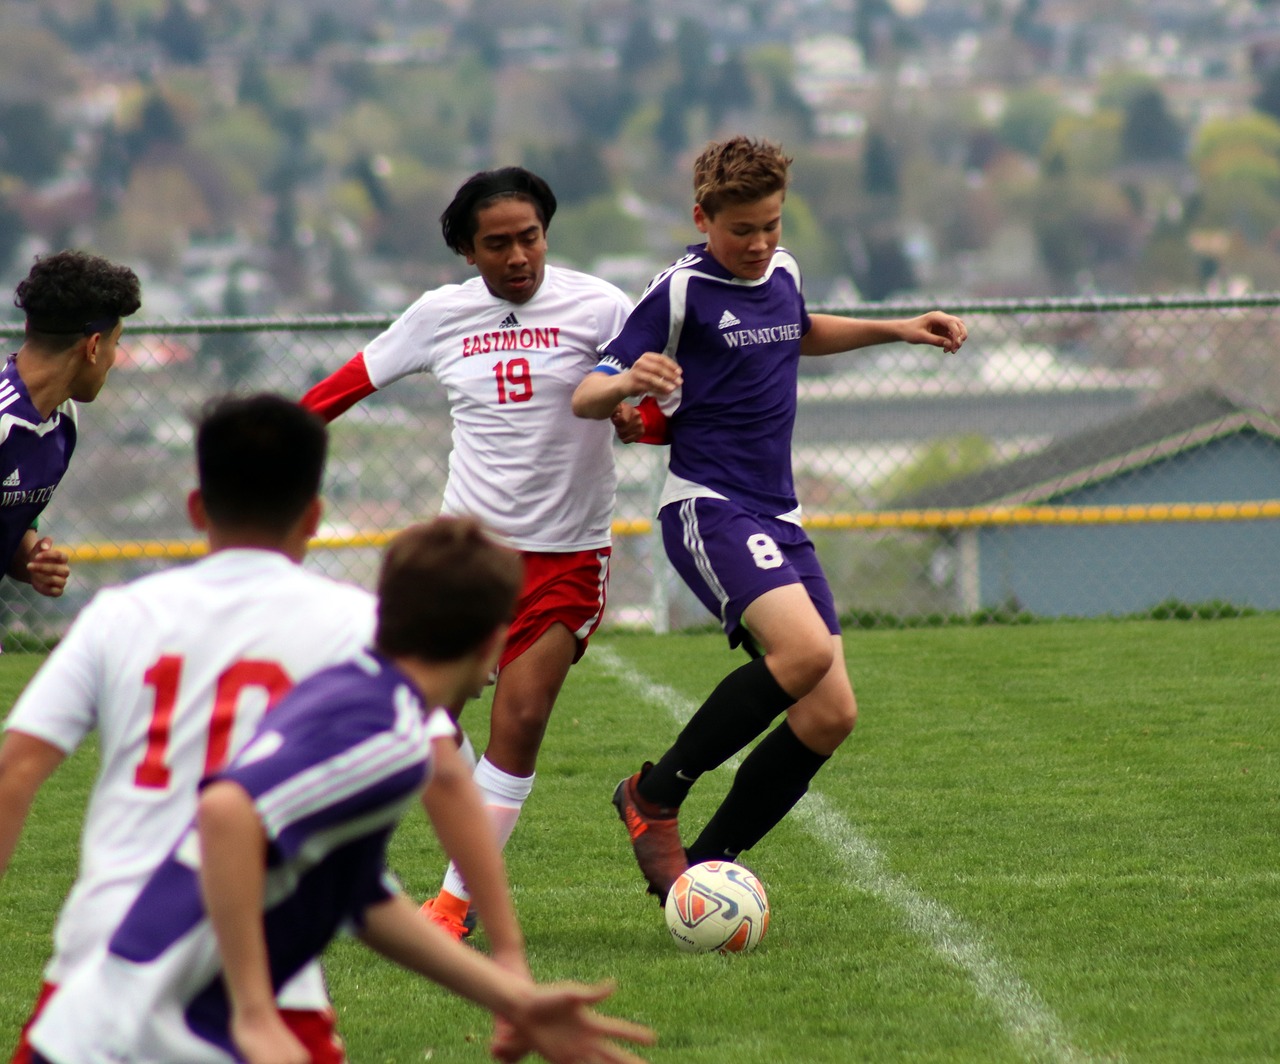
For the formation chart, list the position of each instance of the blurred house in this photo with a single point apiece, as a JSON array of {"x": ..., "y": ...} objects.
[{"x": 1204, "y": 447}]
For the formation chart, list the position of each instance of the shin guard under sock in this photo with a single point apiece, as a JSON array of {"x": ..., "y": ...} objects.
[
  {"x": 771, "y": 779},
  {"x": 743, "y": 704}
]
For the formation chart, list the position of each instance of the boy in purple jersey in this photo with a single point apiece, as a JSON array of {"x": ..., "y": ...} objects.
[
  {"x": 716, "y": 339},
  {"x": 289, "y": 844},
  {"x": 74, "y": 304}
]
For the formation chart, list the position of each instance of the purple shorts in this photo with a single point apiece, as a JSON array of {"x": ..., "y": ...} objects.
[{"x": 729, "y": 558}]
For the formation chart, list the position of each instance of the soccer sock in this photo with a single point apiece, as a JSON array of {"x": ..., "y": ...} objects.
[
  {"x": 771, "y": 779},
  {"x": 504, "y": 797},
  {"x": 740, "y": 708}
]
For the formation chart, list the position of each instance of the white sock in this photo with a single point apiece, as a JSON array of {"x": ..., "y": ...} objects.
[
  {"x": 504, "y": 797},
  {"x": 466, "y": 749}
]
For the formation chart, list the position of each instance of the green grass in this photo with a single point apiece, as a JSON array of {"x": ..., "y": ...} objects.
[{"x": 1043, "y": 843}]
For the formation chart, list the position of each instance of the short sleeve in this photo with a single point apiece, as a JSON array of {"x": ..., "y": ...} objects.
[
  {"x": 60, "y": 704},
  {"x": 406, "y": 345},
  {"x": 647, "y": 328}
]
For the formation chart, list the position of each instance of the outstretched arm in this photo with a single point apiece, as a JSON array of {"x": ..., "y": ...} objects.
[
  {"x": 555, "y": 1021},
  {"x": 25, "y": 763},
  {"x": 829, "y": 333},
  {"x": 456, "y": 809},
  {"x": 340, "y": 391}
]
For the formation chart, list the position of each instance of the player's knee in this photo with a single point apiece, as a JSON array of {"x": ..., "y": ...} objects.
[
  {"x": 823, "y": 725},
  {"x": 802, "y": 666}
]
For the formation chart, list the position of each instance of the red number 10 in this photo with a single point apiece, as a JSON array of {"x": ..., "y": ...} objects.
[{"x": 165, "y": 675}]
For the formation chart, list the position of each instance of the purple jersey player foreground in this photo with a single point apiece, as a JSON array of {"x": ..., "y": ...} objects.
[
  {"x": 716, "y": 339},
  {"x": 74, "y": 305},
  {"x": 288, "y": 846}
]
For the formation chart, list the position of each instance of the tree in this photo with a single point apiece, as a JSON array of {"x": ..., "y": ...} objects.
[
  {"x": 32, "y": 140},
  {"x": 1080, "y": 223},
  {"x": 181, "y": 34},
  {"x": 730, "y": 89},
  {"x": 1028, "y": 119},
  {"x": 879, "y": 166},
  {"x": 1150, "y": 133},
  {"x": 583, "y": 232},
  {"x": 158, "y": 127},
  {"x": 235, "y": 353},
  {"x": 1238, "y": 163},
  {"x": 693, "y": 57},
  {"x": 12, "y": 231},
  {"x": 672, "y": 130},
  {"x": 640, "y": 49},
  {"x": 576, "y": 171},
  {"x": 1267, "y": 99}
]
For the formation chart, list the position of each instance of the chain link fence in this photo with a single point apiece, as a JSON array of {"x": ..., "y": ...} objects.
[{"x": 1075, "y": 458}]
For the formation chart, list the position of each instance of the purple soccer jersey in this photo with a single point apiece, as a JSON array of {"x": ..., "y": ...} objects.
[
  {"x": 738, "y": 345},
  {"x": 330, "y": 771},
  {"x": 34, "y": 455}
]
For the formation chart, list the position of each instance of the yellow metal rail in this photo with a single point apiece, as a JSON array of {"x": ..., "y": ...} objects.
[{"x": 877, "y": 520}]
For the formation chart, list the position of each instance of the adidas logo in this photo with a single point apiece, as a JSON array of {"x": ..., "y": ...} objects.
[
  {"x": 509, "y": 322},
  {"x": 727, "y": 320},
  {"x": 12, "y": 480}
]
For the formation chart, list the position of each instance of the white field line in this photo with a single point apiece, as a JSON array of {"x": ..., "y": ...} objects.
[{"x": 1030, "y": 1023}]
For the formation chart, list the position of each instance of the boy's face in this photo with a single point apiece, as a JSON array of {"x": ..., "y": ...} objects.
[
  {"x": 743, "y": 236},
  {"x": 510, "y": 249},
  {"x": 93, "y": 374}
]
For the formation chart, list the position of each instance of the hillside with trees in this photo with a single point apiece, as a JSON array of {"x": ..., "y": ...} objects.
[{"x": 265, "y": 156}]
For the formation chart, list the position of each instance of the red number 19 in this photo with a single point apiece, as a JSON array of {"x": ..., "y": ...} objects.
[{"x": 515, "y": 382}]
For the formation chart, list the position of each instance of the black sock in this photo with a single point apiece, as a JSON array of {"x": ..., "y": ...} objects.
[
  {"x": 740, "y": 708},
  {"x": 771, "y": 779}
]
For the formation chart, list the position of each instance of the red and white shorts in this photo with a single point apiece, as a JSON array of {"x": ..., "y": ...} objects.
[
  {"x": 314, "y": 1028},
  {"x": 562, "y": 588}
]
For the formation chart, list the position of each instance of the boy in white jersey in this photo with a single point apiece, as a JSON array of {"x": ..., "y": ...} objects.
[
  {"x": 509, "y": 346},
  {"x": 716, "y": 339},
  {"x": 289, "y": 841},
  {"x": 175, "y": 671}
]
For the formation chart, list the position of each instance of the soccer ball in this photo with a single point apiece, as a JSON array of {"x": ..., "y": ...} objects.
[{"x": 719, "y": 907}]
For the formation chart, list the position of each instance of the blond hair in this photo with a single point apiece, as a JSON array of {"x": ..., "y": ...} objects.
[{"x": 738, "y": 170}]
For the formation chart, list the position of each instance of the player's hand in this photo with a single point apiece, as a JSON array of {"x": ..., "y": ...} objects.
[
  {"x": 937, "y": 328},
  {"x": 628, "y": 425},
  {"x": 508, "y": 1044},
  {"x": 49, "y": 568},
  {"x": 559, "y": 1024},
  {"x": 263, "y": 1038},
  {"x": 655, "y": 374}
]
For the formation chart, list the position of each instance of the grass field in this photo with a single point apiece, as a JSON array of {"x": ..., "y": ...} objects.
[{"x": 1054, "y": 843}]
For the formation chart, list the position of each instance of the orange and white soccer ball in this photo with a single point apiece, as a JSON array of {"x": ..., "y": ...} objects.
[{"x": 717, "y": 907}]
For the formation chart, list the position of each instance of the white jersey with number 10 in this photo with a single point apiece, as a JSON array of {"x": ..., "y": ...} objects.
[{"x": 175, "y": 671}]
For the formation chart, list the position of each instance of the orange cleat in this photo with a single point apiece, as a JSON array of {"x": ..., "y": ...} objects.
[
  {"x": 452, "y": 914},
  {"x": 655, "y": 836}
]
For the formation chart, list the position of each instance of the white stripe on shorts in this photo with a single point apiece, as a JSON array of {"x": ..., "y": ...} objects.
[{"x": 698, "y": 552}]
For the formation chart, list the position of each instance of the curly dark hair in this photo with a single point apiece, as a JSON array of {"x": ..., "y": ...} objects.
[{"x": 68, "y": 292}]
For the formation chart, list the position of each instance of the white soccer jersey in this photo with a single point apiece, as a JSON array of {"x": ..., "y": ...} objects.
[
  {"x": 521, "y": 462},
  {"x": 175, "y": 671}
]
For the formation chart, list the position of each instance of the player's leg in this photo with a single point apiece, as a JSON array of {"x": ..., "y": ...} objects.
[
  {"x": 522, "y": 702},
  {"x": 560, "y": 607},
  {"x": 735, "y": 566},
  {"x": 797, "y": 655},
  {"x": 777, "y": 773}
]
